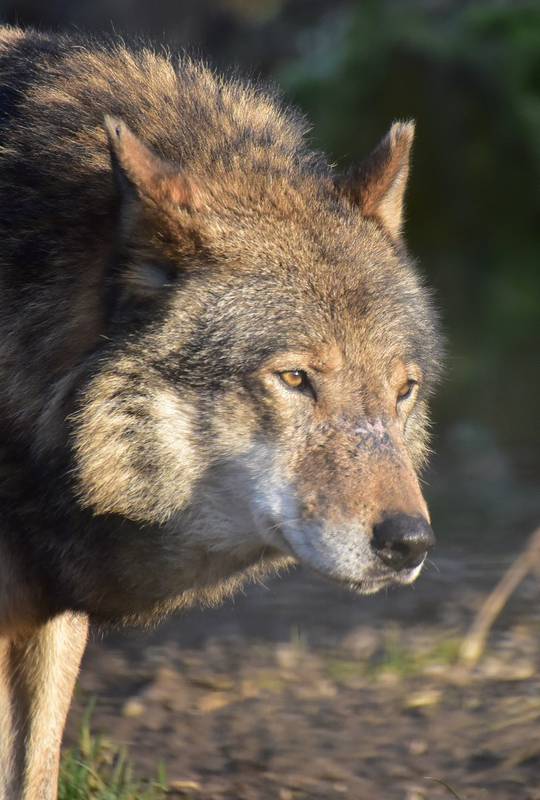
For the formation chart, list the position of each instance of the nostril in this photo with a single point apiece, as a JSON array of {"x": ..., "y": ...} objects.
[{"x": 402, "y": 541}]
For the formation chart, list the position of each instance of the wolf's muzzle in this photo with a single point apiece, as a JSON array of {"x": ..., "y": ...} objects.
[{"x": 402, "y": 541}]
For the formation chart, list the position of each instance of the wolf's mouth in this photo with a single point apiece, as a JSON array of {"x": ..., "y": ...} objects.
[
  {"x": 372, "y": 585},
  {"x": 372, "y": 576}
]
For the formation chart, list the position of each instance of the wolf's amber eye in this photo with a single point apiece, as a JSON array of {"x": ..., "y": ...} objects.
[
  {"x": 294, "y": 379},
  {"x": 407, "y": 390}
]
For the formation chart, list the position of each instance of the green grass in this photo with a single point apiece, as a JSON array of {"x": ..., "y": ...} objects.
[
  {"x": 97, "y": 770},
  {"x": 407, "y": 662},
  {"x": 394, "y": 659}
]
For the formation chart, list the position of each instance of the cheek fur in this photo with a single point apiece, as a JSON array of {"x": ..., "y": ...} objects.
[{"x": 135, "y": 457}]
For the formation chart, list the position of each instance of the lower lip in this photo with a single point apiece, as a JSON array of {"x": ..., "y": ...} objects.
[{"x": 395, "y": 579}]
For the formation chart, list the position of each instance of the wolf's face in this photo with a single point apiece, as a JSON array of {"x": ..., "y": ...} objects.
[{"x": 273, "y": 398}]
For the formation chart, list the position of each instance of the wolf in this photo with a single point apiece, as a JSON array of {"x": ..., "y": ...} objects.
[{"x": 216, "y": 358}]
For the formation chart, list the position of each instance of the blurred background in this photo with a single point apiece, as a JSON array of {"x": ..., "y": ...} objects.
[{"x": 469, "y": 73}]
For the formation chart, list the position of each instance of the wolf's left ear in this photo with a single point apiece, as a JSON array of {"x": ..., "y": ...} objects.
[
  {"x": 140, "y": 173},
  {"x": 378, "y": 184}
]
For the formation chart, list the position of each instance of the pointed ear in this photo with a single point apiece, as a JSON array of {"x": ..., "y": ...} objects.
[
  {"x": 157, "y": 224},
  {"x": 378, "y": 185},
  {"x": 140, "y": 173}
]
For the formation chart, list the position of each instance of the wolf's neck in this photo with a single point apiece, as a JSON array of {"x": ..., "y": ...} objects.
[{"x": 115, "y": 570}]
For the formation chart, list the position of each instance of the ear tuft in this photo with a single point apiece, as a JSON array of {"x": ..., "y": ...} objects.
[
  {"x": 113, "y": 126},
  {"x": 378, "y": 185},
  {"x": 402, "y": 134}
]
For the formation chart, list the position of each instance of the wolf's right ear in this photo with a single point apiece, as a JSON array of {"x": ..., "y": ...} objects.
[
  {"x": 377, "y": 186},
  {"x": 141, "y": 174},
  {"x": 158, "y": 226}
]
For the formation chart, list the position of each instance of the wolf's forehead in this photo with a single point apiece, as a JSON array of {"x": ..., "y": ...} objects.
[
  {"x": 298, "y": 226},
  {"x": 332, "y": 322}
]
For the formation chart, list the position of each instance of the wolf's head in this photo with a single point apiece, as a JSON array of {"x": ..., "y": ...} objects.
[{"x": 271, "y": 355}]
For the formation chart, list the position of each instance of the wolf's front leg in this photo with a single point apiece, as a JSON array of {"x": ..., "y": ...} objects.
[{"x": 37, "y": 675}]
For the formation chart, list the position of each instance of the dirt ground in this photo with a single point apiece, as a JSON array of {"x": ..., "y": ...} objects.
[{"x": 302, "y": 690}]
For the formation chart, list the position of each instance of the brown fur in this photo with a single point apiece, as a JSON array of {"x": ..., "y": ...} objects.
[{"x": 170, "y": 247}]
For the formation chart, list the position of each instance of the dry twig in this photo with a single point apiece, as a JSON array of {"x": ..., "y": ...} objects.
[{"x": 474, "y": 642}]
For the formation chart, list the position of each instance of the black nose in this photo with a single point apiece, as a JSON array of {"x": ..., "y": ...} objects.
[{"x": 401, "y": 541}]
